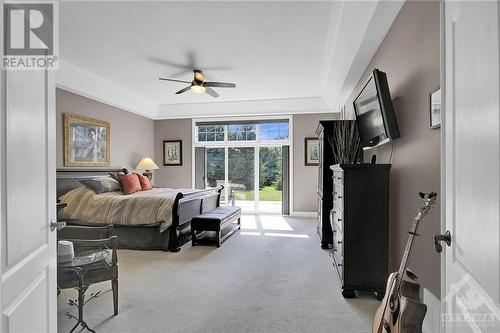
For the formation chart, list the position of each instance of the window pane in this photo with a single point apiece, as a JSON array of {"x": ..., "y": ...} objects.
[
  {"x": 210, "y": 133},
  {"x": 241, "y": 177},
  {"x": 274, "y": 131},
  {"x": 214, "y": 169},
  {"x": 270, "y": 179},
  {"x": 242, "y": 132}
]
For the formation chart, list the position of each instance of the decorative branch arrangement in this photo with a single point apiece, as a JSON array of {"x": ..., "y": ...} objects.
[
  {"x": 345, "y": 142},
  {"x": 75, "y": 304}
]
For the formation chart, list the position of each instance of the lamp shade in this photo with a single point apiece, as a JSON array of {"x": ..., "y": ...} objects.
[{"x": 147, "y": 164}]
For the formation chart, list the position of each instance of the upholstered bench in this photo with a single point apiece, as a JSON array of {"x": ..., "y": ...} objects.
[{"x": 223, "y": 221}]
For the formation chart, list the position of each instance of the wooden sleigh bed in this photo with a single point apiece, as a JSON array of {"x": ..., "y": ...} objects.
[{"x": 148, "y": 236}]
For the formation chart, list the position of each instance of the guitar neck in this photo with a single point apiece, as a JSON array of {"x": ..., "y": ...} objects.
[{"x": 406, "y": 256}]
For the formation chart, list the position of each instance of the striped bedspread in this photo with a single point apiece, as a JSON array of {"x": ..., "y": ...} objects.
[{"x": 144, "y": 207}]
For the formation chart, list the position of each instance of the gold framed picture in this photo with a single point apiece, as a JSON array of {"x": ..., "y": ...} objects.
[{"x": 86, "y": 141}]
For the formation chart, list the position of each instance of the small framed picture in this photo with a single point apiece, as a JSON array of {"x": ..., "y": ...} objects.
[
  {"x": 172, "y": 152},
  {"x": 435, "y": 109},
  {"x": 311, "y": 151}
]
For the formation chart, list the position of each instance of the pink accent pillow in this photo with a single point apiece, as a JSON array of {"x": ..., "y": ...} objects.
[
  {"x": 130, "y": 183},
  {"x": 145, "y": 182}
]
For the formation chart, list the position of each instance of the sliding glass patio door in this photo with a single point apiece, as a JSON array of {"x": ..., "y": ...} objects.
[{"x": 248, "y": 160}]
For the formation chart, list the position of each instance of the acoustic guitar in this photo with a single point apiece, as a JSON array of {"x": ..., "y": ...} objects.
[{"x": 401, "y": 310}]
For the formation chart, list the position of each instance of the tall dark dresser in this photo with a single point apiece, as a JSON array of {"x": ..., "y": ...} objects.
[
  {"x": 325, "y": 184},
  {"x": 360, "y": 224}
]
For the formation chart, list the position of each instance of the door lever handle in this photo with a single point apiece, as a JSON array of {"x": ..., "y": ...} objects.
[
  {"x": 56, "y": 225},
  {"x": 446, "y": 237}
]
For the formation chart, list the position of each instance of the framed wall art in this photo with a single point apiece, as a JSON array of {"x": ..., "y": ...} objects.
[
  {"x": 311, "y": 151},
  {"x": 435, "y": 109},
  {"x": 172, "y": 152},
  {"x": 86, "y": 142}
]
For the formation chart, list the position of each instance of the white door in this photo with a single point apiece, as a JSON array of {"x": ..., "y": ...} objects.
[
  {"x": 27, "y": 198},
  {"x": 471, "y": 280}
]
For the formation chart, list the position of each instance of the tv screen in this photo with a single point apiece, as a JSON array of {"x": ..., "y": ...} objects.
[{"x": 374, "y": 112}]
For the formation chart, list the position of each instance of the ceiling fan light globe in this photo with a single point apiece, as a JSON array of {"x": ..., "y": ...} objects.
[{"x": 198, "y": 89}]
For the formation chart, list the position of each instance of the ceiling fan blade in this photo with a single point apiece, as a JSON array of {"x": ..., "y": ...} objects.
[
  {"x": 173, "y": 80},
  {"x": 211, "y": 92},
  {"x": 220, "y": 84},
  {"x": 183, "y": 90}
]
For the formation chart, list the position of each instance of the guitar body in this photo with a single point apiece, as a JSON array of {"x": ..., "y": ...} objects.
[
  {"x": 401, "y": 310},
  {"x": 409, "y": 316}
]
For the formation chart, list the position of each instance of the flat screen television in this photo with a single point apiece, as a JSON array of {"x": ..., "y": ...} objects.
[{"x": 374, "y": 112}]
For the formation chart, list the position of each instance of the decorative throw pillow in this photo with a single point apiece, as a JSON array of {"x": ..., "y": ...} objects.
[
  {"x": 114, "y": 175},
  {"x": 130, "y": 183},
  {"x": 101, "y": 184},
  {"x": 145, "y": 182}
]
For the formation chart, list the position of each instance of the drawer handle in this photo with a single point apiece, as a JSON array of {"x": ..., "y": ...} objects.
[
  {"x": 339, "y": 242},
  {"x": 339, "y": 197},
  {"x": 339, "y": 220},
  {"x": 339, "y": 265}
]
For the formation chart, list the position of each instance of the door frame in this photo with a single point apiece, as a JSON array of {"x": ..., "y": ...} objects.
[
  {"x": 288, "y": 142},
  {"x": 442, "y": 80}
]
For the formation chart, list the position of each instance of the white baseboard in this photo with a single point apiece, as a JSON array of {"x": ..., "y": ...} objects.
[
  {"x": 304, "y": 214},
  {"x": 432, "y": 321}
]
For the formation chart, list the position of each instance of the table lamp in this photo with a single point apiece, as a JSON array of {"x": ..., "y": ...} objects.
[{"x": 147, "y": 164}]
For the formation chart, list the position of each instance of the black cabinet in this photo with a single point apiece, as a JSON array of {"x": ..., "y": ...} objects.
[
  {"x": 325, "y": 185},
  {"x": 360, "y": 223}
]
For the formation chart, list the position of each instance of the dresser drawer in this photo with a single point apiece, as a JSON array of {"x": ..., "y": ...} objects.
[
  {"x": 338, "y": 195},
  {"x": 338, "y": 263},
  {"x": 338, "y": 241},
  {"x": 338, "y": 177},
  {"x": 336, "y": 218}
]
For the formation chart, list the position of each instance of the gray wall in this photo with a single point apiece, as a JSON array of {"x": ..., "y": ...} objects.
[
  {"x": 131, "y": 135},
  {"x": 305, "y": 178},
  {"x": 173, "y": 176},
  {"x": 409, "y": 55}
]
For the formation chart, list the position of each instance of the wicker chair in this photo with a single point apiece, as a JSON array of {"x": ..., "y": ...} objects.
[{"x": 88, "y": 240}]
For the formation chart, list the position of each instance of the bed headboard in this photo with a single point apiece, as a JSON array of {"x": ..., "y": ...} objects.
[{"x": 69, "y": 179}]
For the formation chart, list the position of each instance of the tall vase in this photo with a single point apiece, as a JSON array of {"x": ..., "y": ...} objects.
[{"x": 346, "y": 143}]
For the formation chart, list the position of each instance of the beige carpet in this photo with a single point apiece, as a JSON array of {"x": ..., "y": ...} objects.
[{"x": 272, "y": 276}]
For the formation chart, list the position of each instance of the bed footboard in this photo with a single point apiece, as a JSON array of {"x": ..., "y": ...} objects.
[{"x": 186, "y": 206}]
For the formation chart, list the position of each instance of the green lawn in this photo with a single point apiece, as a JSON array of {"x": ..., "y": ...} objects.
[{"x": 268, "y": 193}]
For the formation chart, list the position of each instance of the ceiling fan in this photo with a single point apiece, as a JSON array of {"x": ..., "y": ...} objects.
[{"x": 199, "y": 86}]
